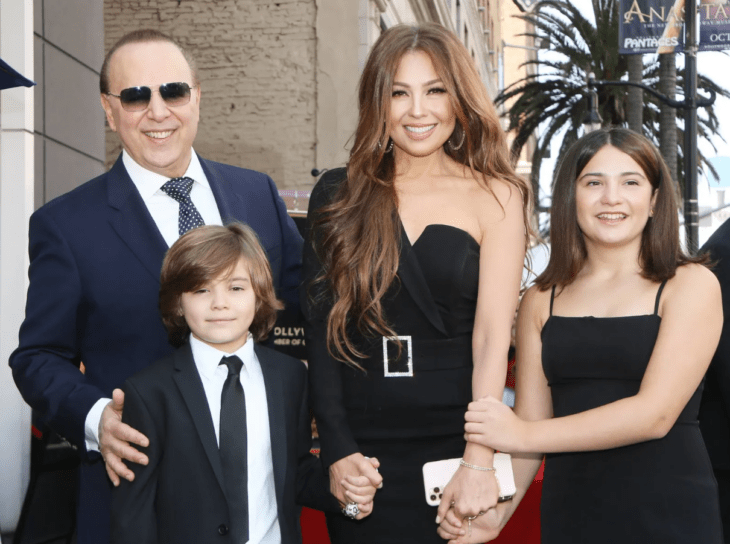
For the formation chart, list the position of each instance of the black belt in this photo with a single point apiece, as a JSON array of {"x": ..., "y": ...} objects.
[{"x": 423, "y": 354}]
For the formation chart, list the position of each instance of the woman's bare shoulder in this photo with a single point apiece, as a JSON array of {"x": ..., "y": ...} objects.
[{"x": 496, "y": 200}]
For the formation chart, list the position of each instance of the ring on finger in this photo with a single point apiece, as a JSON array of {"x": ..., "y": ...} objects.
[
  {"x": 475, "y": 516},
  {"x": 469, "y": 519},
  {"x": 351, "y": 510}
]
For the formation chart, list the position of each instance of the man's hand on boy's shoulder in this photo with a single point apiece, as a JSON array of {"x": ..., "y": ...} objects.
[{"x": 115, "y": 438}]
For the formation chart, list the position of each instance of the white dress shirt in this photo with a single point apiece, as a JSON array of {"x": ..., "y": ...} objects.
[
  {"x": 262, "y": 508},
  {"x": 165, "y": 211},
  {"x": 162, "y": 207}
]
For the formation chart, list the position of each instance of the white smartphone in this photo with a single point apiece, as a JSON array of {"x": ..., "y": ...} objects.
[{"x": 437, "y": 474}]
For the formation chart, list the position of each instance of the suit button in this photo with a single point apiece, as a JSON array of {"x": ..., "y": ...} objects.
[{"x": 223, "y": 529}]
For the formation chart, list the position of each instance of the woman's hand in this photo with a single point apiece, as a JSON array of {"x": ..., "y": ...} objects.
[
  {"x": 355, "y": 478},
  {"x": 468, "y": 493},
  {"x": 480, "y": 529},
  {"x": 358, "y": 489},
  {"x": 491, "y": 423}
]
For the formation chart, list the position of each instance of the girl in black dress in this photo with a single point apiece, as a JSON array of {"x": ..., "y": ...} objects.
[
  {"x": 613, "y": 342},
  {"x": 412, "y": 264}
]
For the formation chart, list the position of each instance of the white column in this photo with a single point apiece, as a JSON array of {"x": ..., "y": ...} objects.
[{"x": 16, "y": 205}]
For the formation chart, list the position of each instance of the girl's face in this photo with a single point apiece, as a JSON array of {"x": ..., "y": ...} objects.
[
  {"x": 614, "y": 199},
  {"x": 421, "y": 115}
]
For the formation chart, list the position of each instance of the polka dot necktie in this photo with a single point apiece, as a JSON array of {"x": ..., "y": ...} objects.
[{"x": 189, "y": 217}]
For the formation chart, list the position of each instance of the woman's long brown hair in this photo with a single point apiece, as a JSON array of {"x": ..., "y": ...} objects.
[{"x": 360, "y": 229}]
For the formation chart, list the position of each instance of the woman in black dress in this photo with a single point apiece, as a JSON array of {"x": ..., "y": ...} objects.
[
  {"x": 613, "y": 342},
  {"x": 412, "y": 269}
]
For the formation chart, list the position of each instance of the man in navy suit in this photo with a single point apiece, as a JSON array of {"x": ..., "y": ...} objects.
[{"x": 96, "y": 254}]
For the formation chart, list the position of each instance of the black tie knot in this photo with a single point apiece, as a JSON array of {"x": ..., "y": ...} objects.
[
  {"x": 179, "y": 188},
  {"x": 233, "y": 363}
]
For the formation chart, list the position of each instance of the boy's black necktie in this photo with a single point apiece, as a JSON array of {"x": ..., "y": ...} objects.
[
  {"x": 189, "y": 217},
  {"x": 233, "y": 449}
]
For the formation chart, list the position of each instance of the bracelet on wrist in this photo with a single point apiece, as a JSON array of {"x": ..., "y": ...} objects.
[{"x": 476, "y": 467}]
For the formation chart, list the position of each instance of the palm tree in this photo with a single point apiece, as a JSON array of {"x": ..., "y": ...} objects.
[{"x": 553, "y": 97}]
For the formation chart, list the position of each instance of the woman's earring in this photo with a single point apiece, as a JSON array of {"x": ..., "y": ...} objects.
[
  {"x": 390, "y": 145},
  {"x": 457, "y": 147}
]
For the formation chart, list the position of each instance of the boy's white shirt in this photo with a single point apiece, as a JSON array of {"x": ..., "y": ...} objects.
[{"x": 262, "y": 508}]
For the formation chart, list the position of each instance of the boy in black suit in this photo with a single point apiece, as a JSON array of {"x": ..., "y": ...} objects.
[{"x": 227, "y": 419}]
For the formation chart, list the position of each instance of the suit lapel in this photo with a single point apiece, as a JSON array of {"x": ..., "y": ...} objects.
[
  {"x": 231, "y": 204},
  {"x": 411, "y": 276},
  {"x": 277, "y": 424},
  {"x": 132, "y": 221},
  {"x": 188, "y": 381}
]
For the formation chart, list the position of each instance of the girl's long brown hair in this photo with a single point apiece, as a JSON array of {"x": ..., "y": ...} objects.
[
  {"x": 660, "y": 252},
  {"x": 360, "y": 229}
]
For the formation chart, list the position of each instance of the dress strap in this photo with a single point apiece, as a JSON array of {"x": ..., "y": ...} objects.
[
  {"x": 658, "y": 296},
  {"x": 552, "y": 297}
]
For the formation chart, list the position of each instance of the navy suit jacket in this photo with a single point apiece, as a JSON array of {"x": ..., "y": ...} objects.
[
  {"x": 180, "y": 496},
  {"x": 95, "y": 259}
]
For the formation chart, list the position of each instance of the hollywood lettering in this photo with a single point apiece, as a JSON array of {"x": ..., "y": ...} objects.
[{"x": 289, "y": 331}]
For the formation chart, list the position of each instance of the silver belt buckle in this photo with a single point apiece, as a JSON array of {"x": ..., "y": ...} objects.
[{"x": 409, "y": 343}]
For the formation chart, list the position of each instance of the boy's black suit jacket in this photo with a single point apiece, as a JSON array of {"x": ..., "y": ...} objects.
[{"x": 179, "y": 496}]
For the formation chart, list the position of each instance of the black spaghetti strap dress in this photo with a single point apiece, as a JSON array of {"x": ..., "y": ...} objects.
[
  {"x": 659, "y": 491},
  {"x": 405, "y": 410}
]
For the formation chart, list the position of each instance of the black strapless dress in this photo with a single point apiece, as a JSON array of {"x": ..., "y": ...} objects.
[
  {"x": 406, "y": 421},
  {"x": 659, "y": 491},
  {"x": 403, "y": 414}
]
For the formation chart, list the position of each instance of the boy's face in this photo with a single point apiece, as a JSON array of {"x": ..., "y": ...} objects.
[{"x": 221, "y": 311}]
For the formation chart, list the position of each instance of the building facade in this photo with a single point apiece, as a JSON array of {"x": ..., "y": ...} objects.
[{"x": 279, "y": 78}]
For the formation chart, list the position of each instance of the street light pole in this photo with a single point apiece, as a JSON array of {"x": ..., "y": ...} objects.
[
  {"x": 592, "y": 121},
  {"x": 691, "y": 46}
]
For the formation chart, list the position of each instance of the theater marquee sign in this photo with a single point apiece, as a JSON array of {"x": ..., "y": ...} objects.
[{"x": 657, "y": 26}]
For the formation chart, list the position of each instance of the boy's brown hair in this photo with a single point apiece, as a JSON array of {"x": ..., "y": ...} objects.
[{"x": 204, "y": 254}]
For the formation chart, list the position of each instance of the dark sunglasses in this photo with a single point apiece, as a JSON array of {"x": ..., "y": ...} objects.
[{"x": 138, "y": 98}]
